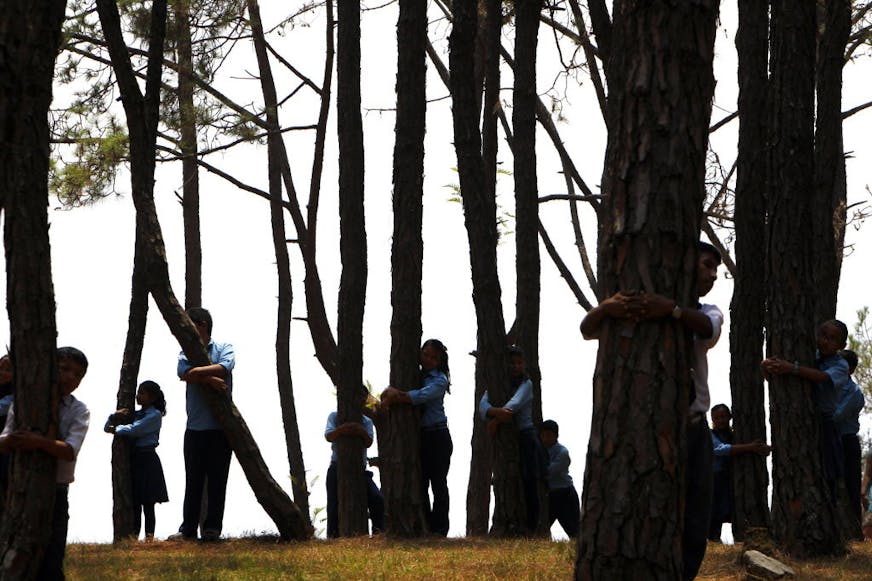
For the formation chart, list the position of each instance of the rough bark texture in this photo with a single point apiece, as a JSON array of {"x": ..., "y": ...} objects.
[
  {"x": 142, "y": 114},
  {"x": 480, "y": 217},
  {"x": 803, "y": 520},
  {"x": 748, "y": 307},
  {"x": 661, "y": 86},
  {"x": 124, "y": 509},
  {"x": 285, "y": 291},
  {"x": 352, "y": 282},
  {"x": 398, "y": 431},
  {"x": 830, "y": 198},
  {"x": 29, "y": 38}
]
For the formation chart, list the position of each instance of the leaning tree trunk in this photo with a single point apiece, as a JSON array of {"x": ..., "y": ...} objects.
[
  {"x": 659, "y": 106},
  {"x": 29, "y": 39},
  {"x": 480, "y": 216},
  {"x": 142, "y": 115},
  {"x": 748, "y": 307},
  {"x": 803, "y": 519},
  {"x": 293, "y": 444},
  {"x": 124, "y": 509},
  {"x": 398, "y": 432},
  {"x": 352, "y": 283}
]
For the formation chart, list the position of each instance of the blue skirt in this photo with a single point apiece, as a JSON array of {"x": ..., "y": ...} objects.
[{"x": 149, "y": 486}]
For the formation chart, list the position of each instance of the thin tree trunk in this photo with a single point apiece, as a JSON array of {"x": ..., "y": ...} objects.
[
  {"x": 283, "y": 267},
  {"x": 399, "y": 431},
  {"x": 30, "y": 35},
  {"x": 659, "y": 107},
  {"x": 142, "y": 115},
  {"x": 352, "y": 284},
  {"x": 748, "y": 307}
]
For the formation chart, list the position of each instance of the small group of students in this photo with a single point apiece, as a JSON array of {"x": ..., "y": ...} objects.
[{"x": 541, "y": 456}]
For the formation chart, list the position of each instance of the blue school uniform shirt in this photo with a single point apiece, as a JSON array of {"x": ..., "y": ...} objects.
[
  {"x": 826, "y": 394},
  {"x": 847, "y": 414},
  {"x": 521, "y": 404},
  {"x": 430, "y": 399},
  {"x": 145, "y": 427},
  {"x": 199, "y": 415},
  {"x": 5, "y": 403},
  {"x": 558, "y": 467},
  {"x": 721, "y": 459},
  {"x": 334, "y": 446}
]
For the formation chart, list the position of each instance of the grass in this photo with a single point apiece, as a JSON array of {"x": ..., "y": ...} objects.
[{"x": 350, "y": 559}]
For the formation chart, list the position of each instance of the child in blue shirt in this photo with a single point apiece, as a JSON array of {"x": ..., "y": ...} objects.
[
  {"x": 562, "y": 497},
  {"x": 149, "y": 485},
  {"x": 847, "y": 418}
]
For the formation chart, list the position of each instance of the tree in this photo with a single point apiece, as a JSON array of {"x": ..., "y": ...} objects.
[
  {"x": 803, "y": 520},
  {"x": 29, "y": 39},
  {"x": 659, "y": 105}
]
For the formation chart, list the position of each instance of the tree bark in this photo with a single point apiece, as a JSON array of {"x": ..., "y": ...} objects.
[
  {"x": 30, "y": 35},
  {"x": 659, "y": 107},
  {"x": 283, "y": 267},
  {"x": 748, "y": 307},
  {"x": 142, "y": 115},
  {"x": 802, "y": 516},
  {"x": 352, "y": 283},
  {"x": 399, "y": 431}
]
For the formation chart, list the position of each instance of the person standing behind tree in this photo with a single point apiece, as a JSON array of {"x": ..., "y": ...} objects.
[
  {"x": 562, "y": 497},
  {"x": 436, "y": 444},
  {"x": 206, "y": 449},
  {"x": 847, "y": 418},
  {"x": 705, "y": 322}
]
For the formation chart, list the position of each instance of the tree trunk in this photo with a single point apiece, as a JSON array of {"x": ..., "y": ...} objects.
[
  {"x": 352, "y": 283},
  {"x": 142, "y": 115},
  {"x": 659, "y": 107},
  {"x": 830, "y": 199},
  {"x": 748, "y": 307},
  {"x": 478, "y": 495},
  {"x": 399, "y": 431},
  {"x": 29, "y": 39},
  {"x": 480, "y": 217},
  {"x": 802, "y": 516},
  {"x": 124, "y": 509},
  {"x": 283, "y": 267}
]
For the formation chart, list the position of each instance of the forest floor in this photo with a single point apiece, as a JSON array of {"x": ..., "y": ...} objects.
[{"x": 264, "y": 559}]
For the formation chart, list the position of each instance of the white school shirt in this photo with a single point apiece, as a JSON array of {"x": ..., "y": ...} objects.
[{"x": 699, "y": 373}]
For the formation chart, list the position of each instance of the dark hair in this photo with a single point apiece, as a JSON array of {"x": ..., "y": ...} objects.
[
  {"x": 850, "y": 357},
  {"x": 703, "y": 247},
  {"x": 160, "y": 402},
  {"x": 200, "y": 315},
  {"x": 442, "y": 366},
  {"x": 550, "y": 426},
  {"x": 516, "y": 350},
  {"x": 722, "y": 406},
  {"x": 73, "y": 354},
  {"x": 843, "y": 328}
]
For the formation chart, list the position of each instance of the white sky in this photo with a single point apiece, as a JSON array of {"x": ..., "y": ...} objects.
[{"x": 93, "y": 249}]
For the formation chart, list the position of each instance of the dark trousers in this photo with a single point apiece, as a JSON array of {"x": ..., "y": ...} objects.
[
  {"x": 534, "y": 466},
  {"x": 832, "y": 456},
  {"x": 436, "y": 449},
  {"x": 853, "y": 474},
  {"x": 52, "y": 568},
  {"x": 563, "y": 507},
  {"x": 207, "y": 460},
  {"x": 375, "y": 503},
  {"x": 698, "y": 497}
]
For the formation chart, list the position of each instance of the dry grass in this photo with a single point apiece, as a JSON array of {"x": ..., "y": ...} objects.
[{"x": 262, "y": 559}]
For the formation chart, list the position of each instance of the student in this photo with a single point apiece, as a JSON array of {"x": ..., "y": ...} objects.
[
  {"x": 73, "y": 419},
  {"x": 724, "y": 449},
  {"x": 436, "y": 444},
  {"x": 374, "y": 501},
  {"x": 829, "y": 375},
  {"x": 562, "y": 496},
  {"x": 847, "y": 419},
  {"x": 519, "y": 409},
  {"x": 206, "y": 449},
  {"x": 5, "y": 402},
  {"x": 149, "y": 486},
  {"x": 705, "y": 322}
]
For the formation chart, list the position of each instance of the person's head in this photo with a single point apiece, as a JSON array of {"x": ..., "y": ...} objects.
[
  {"x": 549, "y": 431},
  {"x": 707, "y": 263},
  {"x": 72, "y": 366},
  {"x": 5, "y": 370},
  {"x": 831, "y": 337},
  {"x": 851, "y": 358},
  {"x": 434, "y": 355},
  {"x": 150, "y": 394},
  {"x": 202, "y": 320},
  {"x": 721, "y": 417},
  {"x": 517, "y": 364}
]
